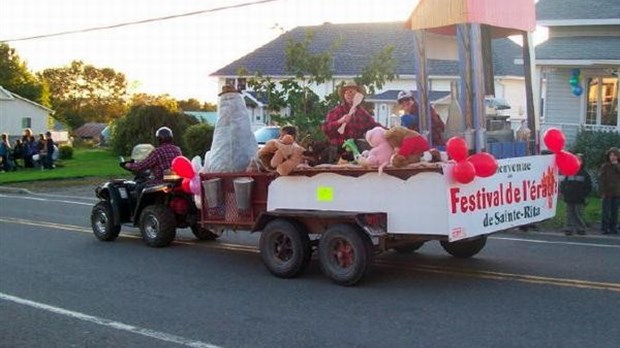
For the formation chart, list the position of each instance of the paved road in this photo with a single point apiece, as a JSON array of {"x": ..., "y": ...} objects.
[{"x": 60, "y": 287}]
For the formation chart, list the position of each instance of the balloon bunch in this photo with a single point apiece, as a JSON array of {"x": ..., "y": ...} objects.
[
  {"x": 567, "y": 163},
  {"x": 575, "y": 82},
  {"x": 467, "y": 168},
  {"x": 190, "y": 172}
]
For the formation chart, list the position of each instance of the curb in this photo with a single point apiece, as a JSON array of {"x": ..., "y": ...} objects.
[{"x": 7, "y": 189}]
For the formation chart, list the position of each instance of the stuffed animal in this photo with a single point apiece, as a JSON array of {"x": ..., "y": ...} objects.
[
  {"x": 409, "y": 147},
  {"x": 282, "y": 154},
  {"x": 380, "y": 153}
]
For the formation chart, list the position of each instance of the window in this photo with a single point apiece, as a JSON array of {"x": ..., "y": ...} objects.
[
  {"x": 229, "y": 82},
  {"x": 241, "y": 84},
  {"x": 26, "y": 122},
  {"x": 602, "y": 101}
]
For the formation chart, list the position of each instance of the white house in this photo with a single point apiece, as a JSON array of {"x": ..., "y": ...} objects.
[
  {"x": 584, "y": 39},
  {"x": 17, "y": 113},
  {"x": 359, "y": 42}
]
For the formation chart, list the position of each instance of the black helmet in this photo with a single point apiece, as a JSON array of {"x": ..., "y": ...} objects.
[{"x": 164, "y": 135}]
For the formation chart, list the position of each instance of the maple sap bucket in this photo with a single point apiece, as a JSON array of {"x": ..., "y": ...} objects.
[
  {"x": 243, "y": 192},
  {"x": 213, "y": 192}
]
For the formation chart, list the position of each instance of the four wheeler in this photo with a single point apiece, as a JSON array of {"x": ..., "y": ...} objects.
[{"x": 157, "y": 210}]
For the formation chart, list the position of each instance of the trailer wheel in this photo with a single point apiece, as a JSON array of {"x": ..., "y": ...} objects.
[
  {"x": 202, "y": 233},
  {"x": 409, "y": 247},
  {"x": 101, "y": 222},
  {"x": 345, "y": 254},
  {"x": 464, "y": 248},
  {"x": 157, "y": 226},
  {"x": 285, "y": 248}
]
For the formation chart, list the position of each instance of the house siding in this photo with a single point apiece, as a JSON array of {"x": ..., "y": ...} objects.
[
  {"x": 13, "y": 111},
  {"x": 562, "y": 109}
]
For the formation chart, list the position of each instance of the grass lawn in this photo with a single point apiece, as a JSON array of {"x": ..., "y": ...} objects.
[
  {"x": 100, "y": 163},
  {"x": 592, "y": 214}
]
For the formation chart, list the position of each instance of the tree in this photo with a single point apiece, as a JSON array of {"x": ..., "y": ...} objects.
[
  {"x": 140, "y": 124},
  {"x": 190, "y": 104},
  {"x": 83, "y": 93},
  {"x": 165, "y": 100},
  {"x": 198, "y": 139},
  {"x": 15, "y": 77},
  {"x": 306, "y": 110}
]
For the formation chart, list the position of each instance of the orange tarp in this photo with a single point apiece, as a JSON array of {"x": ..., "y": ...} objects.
[{"x": 507, "y": 17}]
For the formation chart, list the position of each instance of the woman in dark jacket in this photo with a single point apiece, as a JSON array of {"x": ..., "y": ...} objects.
[{"x": 574, "y": 191}]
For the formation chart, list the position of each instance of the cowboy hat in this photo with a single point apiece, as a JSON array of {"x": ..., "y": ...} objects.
[
  {"x": 350, "y": 85},
  {"x": 228, "y": 89}
]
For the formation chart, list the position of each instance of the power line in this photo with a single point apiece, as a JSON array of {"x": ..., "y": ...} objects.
[{"x": 143, "y": 21}]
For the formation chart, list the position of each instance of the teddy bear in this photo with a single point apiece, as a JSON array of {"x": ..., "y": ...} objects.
[
  {"x": 409, "y": 147},
  {"x": 380, "y": 153},
  {"x": 282, "y": 154}
]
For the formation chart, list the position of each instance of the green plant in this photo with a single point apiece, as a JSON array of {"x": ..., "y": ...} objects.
[
  {"x": 65, "y": 152},
  {"x": 593, "y": 145},
  {"x": 198, "y": 139}
]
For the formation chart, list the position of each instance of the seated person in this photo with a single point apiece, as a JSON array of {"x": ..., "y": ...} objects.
[
  {"x": 357, "y": 123},
  {"x": 410, "y": 119},
  {"x": 160, "y": 159}
]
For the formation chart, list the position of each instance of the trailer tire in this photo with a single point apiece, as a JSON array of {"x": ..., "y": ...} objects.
[
  {"x": 202, "y": 233},
  {"x": 409, "y": 247},
  {"x": 157, "y": 226},
  {"x": 345, "y": 254},
  {"x": 102, "y": 223},
  {"x": 465, "y": 248},
  {"x": 285, "y": 248}
]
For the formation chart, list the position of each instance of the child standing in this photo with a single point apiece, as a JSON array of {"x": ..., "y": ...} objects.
[
  {"x": 574, "y": 191},
  {"x": 610, "y": 191}
]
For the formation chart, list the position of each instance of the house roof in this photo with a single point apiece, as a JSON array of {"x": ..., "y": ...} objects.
[
  {"x": 90, "y": 130},
  {"x": 204, "y": 116},
  {"x": 392, "y": 94},
  {"x": 358, "y": 43},
  {"x": 552, "y": 10},
  {"x": 5, "y": 94},
  {"x": 580, "y": 48}
]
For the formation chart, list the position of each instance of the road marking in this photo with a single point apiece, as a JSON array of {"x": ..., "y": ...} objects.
[
  {"x": 42, "y": 199},
  {"x": 492, "y": 275},
  {"x": 162, "y": 336},
  {"x": 557, "y": 242}
]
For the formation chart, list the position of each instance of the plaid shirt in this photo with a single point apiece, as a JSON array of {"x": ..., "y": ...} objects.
[
  {"x": 157, "y": 161},
  {"x": 361, "y": 122}
]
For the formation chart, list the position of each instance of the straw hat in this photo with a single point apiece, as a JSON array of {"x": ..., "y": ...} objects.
[
  {"x": 350, "y": 85},
  {"x": 228, "y": 89}
]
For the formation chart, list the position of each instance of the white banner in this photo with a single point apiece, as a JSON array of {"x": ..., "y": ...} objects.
[{"x": 524, "y": 190}]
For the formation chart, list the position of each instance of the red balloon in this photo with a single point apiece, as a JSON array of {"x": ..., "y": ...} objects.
[
  {"x": 568, "y": 164},
  {"x": 554, "y": 139},
  {"x": 457, "y": 148},
  {"x": 182, "y": 166},
  {"x": 185, "y": 185},
  {"x": 464, "y": 172},
  {"x": 484, "y": 163}
]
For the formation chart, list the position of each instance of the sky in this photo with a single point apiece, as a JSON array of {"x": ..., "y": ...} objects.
[{"x": 174, "y": 56}]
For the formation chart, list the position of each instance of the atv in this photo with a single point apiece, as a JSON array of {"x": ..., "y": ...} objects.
[{"x": 156, "y": 210}]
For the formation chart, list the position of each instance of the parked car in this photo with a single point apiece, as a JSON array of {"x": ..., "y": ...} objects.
[{"x": 263, "y": 135}]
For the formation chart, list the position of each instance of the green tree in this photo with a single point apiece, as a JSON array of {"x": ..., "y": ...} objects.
[
  {"x": 209, "y": 106},
  {"x": 305, "y": 109},
  {"x": 190, "y": 104},
  {"x": 15, "y": 77},
  {"x": 140, "y": 124},
  {"x": 83, "y": 93},
  {"x": 165, "y": 100}
]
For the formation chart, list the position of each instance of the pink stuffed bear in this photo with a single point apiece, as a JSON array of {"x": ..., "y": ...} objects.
[{"x": 381, "y": 152}]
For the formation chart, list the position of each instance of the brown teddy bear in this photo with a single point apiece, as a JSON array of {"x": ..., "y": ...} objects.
[
  {"x": 282, "y": 154},
  {"x": 409, "y": 147}
]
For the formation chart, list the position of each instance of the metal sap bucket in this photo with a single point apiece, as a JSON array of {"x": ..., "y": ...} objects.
[
  {"x": 243, "y": 192},
  {"x": 213, "y": 192}
]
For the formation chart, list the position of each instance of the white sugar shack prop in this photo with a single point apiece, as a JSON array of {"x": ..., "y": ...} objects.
[{"x": 352, "y": 212}]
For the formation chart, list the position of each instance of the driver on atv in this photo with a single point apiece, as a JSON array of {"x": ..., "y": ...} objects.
[{"x": 159, "y": 160}]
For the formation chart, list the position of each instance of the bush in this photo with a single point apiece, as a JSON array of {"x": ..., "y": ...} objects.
[
  {"x": 593, "y": 145},
  {"x": 140, "y": 124},
  {"x": 65, "y": 152},
  {"x": 198, "y": 139}
]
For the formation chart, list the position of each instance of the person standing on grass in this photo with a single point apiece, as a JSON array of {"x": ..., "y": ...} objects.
[
  {"x": 609, "y": 182},
  {"x": 574, "y": 190},
  {"x": 5, "y": 152}
]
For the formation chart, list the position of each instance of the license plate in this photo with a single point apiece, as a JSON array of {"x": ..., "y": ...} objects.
[{"x": 123, "y": 192}]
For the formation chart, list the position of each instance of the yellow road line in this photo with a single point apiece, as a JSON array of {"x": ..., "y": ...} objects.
[{"x": 481, "y": 274}]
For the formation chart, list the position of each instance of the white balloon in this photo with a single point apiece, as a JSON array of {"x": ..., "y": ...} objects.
[
  {"x": 197, "y": 164},
  {"x": 206, "y": 161},
  {"x": 198, "y": 201}
]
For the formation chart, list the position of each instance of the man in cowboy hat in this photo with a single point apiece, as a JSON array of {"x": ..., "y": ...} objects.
[{"x": 356, "y": 122}]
